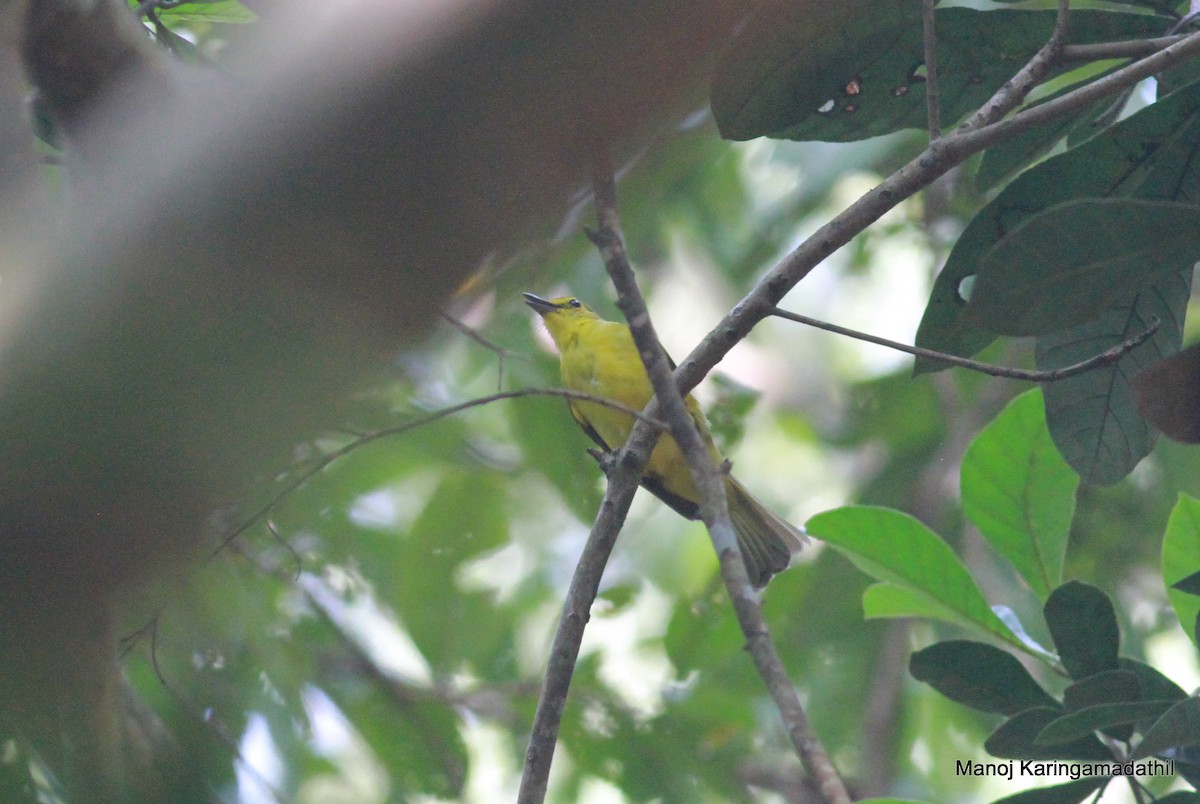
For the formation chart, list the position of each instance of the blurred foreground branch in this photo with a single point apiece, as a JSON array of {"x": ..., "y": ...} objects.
[{"x": 237, "y": 258}]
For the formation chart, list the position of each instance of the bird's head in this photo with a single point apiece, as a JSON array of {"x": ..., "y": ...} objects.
[{"x": 562, "y": 316}]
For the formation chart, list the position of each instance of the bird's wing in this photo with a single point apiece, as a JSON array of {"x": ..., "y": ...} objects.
[{"x": 582, "y": 421}]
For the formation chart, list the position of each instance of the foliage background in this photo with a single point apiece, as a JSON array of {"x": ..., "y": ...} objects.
[{"x": 380, "y": 636}]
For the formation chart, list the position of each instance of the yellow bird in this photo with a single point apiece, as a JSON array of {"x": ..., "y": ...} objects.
[{"x": 599, "y": 357}]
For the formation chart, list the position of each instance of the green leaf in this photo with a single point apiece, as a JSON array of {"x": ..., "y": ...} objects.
[
  {"x": 1093, "y": 417},
  {"x": 1067, "y": 793},
  {"x": 1084, "y": 628},
  {"x": 896, "y": 548},
  {"x": 222, "y": 11},
  {"x": 1155, "y": 686},
  {"x": 979, "y": 676},
  {"x": 1020, "y": 493},
  {"x": 1094, "y": 718},
  {"x": 788, "y": 60},
  {"x": 889, "y": 601},
  {"x": 1181, "y": 558},
  {"x": 1149, "y": 155},
  {"x": 1017, "y": 739},
  {"x": 1066, "y": 265},
  {"x": 1111, "y": 686},
  {"x": 850, "y": 70},
  {"x": 1179, "y": 727}
]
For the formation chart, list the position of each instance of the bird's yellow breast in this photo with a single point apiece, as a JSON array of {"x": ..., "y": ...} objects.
[{"x": 599, "y": 357}]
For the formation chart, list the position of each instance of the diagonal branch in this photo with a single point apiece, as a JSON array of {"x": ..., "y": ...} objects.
[{"x": 709, "y": 481}]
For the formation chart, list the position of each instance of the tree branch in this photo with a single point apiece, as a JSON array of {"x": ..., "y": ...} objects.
[
  {"x": 623, "y": 481},
  {"x": 1130, "y": 49},
  {"x": 1105, "y": 358},
  {"x": 709, "y": 482}
]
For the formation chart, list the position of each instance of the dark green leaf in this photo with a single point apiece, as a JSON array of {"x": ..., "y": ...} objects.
[
  {"x": 1067, "y": 793},
  {"x": 838, "y": 72},
  {"x": 1095, "y": 718},
  {"x": 1093, "y": 417},
  {"x": 1149, "y": 155},
  {"x": 1067, "y": 265},
  {"x": 1179, "y": 727},
  {"x": 789, "y": 60},
  {"x": 1084, "y": 628},
  {"x": 980, "y": 676},
  {"x": 1111, "y": 686},
  {"x": 1020, "y": 493},
  {"x": 1017, "y": 739},
  {"x": 1189, "y": 585},
  {"x": 1155, "y": 686}
]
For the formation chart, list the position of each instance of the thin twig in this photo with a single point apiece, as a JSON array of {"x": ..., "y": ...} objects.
[
  {"x": 1105, "y": 358},
  {"x": 502, "y": 353},
  {"x": 932, "y": 102},
  {"x": 329, "y": 458},
  {"x": 286, "y": 545},
  {"x": 709, "y": 481}
]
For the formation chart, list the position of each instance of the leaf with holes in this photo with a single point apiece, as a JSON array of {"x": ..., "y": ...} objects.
[{"x": 850, "y": 70}]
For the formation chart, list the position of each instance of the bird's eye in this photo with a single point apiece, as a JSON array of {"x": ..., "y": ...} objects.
[{"x": 574, "y": 303}]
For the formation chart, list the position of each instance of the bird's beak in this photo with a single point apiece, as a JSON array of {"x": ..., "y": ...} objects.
[{"x": 540, "y": 305}]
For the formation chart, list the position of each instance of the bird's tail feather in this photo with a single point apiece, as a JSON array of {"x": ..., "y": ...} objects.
[{"x": 767, "y": 540}]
